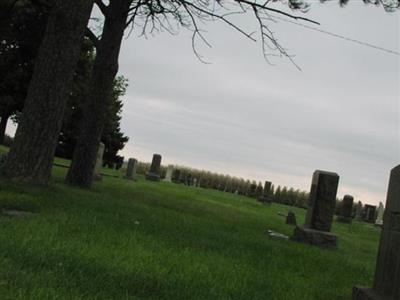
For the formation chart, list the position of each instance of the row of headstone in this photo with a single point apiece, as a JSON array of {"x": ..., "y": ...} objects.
[
  {"x": 321, "y": 208},
  {"x": 154, "y": 174},
  {"x": 366, "y": 213}
]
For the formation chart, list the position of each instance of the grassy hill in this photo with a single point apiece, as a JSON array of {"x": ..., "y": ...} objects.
[{"x": 145, "y": 240}]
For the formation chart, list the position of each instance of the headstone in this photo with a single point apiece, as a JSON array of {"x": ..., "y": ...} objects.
[
  {"x": 346, "y": 212},
  {"x": 188, "y": 180},
  {"x": 359, "y": 210},
  {"x": 265, "y": 198},
  {"x": 99, "y": 162},
  {"x": 131, "y": 169},
  {"x": 369, "y": 213},
  {"x": 387, "y": 274},
  {"x": 321, "y": 207},
  {"x": 168, "y": 175},
  {"x": 154, "y": 173},
  {"x": 379, "y": 219},
  {"x": 252, "y": 190},
  {"x": 259, "y": 191},
  {"x": 291, "y": 219}
]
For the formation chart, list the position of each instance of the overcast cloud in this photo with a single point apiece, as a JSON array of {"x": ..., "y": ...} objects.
[{"x": 244, "y": 117}]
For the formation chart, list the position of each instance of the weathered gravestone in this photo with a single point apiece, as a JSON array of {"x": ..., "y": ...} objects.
[
  {"x": 259, "y": 191},
  {"x": 369, "y": 213},
  {"x": 291, "y": 218},
  {"x": 131, "y": 169},
  {"x": 252, "y": 190},
  {"x": 379, "y": 218},
  {"x": 99, "y": 162},
  {"x": 387, "y": 274},
  {"x": 188, "y": 179},
  {"x": 359, "y": 210},
  {"x": 265, "y": 197},
  {"x": 154, "y": 173},
  {"x": 346, "y": 212},
  {"x": 176, "y": 175},
  {"x": 321, "y": 207},
  {"x": 168, "y": 175}
]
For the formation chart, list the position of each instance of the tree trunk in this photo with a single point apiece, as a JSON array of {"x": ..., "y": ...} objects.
[
  {"x": 3, "y": 126},
  {"x": 100, "y": 92},
  {"x": 31, "y": 155}
]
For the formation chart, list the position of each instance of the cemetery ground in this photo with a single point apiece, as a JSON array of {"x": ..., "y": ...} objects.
[{"x": 147, "y": 240}]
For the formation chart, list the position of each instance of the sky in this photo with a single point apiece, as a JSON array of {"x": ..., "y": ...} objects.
[{"x": 242, "y": 116}]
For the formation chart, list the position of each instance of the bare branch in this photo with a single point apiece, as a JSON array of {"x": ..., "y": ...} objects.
[
  {"x": 264, "y": 6},
  {"x": 103, "y": 8},
  {"x": 92, "y": 37}
]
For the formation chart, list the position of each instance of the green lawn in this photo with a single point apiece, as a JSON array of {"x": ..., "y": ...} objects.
[{"x": 144, "y": 240}]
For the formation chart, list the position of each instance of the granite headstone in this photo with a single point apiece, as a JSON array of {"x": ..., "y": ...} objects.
[{"x": 321, "y": 207}]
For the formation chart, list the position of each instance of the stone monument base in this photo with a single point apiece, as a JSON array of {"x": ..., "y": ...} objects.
[
  {"x": 363, "y": 293},
  {"x": 343, "y": 219},
  {"x": 152, "y": 177},
  {"x": 318, "y": 238}
]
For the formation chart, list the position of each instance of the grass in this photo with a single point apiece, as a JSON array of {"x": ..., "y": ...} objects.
[{"x": 145, "y": 240}]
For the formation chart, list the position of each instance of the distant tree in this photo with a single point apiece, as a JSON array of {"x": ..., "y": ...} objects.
[
  {"x": 277, "y": 195},
  {"x": 112, "y": 136}
]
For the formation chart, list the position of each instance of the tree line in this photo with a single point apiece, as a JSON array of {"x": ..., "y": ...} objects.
[{"x": 241, "y": 186}]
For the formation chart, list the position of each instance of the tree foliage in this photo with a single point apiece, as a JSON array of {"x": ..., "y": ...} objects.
[{"x": 21, "y": 34}]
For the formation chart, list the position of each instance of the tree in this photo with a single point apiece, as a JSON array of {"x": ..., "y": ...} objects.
[
  {"x": 112, "y": 137},
  {"x": 100, "y": 88},
  {"x": 31, "y": 155}
]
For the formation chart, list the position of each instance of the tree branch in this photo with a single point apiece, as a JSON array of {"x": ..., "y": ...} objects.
[
  {"x": 264, "y": 7},
  {"x": 92, "y": 37},
  {"x": 103, "y": 8}
]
